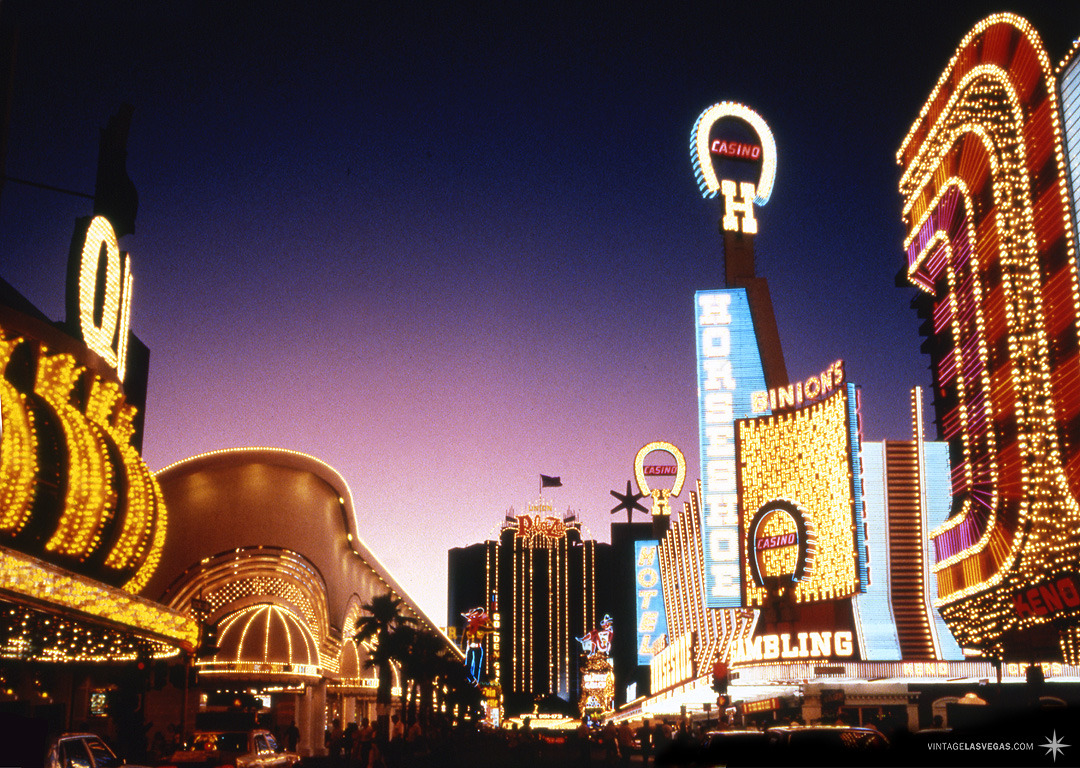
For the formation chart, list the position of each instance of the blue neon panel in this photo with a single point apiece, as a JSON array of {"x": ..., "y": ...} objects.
[
  {"x": 874, "y": 606},
  {"x": 938, "y": 503},
  {"x": 856, "y": 488},
  {"x": 650, "y": 598},
  {"x": 744, "y": 374},
  {"x": 1070, "y": 118}
]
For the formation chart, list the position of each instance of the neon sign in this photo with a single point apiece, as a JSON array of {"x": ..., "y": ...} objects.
[
  {"x": 95, "y": 241},
  {"x": 806, "y": 645},
  {"x": 651, "y": 616},
  {"x": 477, "y": 627},
  {"x": 729, "y": 369},
  {"x": 701, "y": 149},
  {"x": 598, "y": 641},
  {"x": 990, "y": 244},
  {"x": 661, "y": 496},
  {"x": 1048, "y": 597},
  {"x": 796, "y": 482},
  {"x": 801, "y": 392},
  {"x": 737, "y": 149},
  {"x": 551, "y": 527},
  {"x": 783, "y": 545},
  {"x": 674, "y": 664}
]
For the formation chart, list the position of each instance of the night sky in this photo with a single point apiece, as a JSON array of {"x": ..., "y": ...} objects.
[{"x": 449, "y": 249}]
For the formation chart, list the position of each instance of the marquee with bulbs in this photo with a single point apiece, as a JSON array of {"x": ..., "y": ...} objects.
[
  {"x": 82, "y": 519},
  {"x": 991, "y": 246}
]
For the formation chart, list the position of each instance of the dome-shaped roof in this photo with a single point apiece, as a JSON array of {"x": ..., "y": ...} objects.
[{"x": 263, "y": 640}]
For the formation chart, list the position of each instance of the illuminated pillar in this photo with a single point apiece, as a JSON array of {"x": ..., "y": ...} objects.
[
  {"x": 311, "y": 720},
  {"x": 303, "y": 722},
  {"x": 318, "y": 718}
]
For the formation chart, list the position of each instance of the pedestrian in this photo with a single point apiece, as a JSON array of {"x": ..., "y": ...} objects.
[
  {"x": 375, "y": 756},
  {"x": 336, "y": 741},
  {"x": 348, "y": 742},
  {"x": 645, "y": 741},
  {"x": 625, "y": 737},
  {"x": 396, "y": 746},
  {"x": 584, "y": 743},
  {"x": 292, "y": 736},
  {"x": 365, "y": 740},
  {"x": 661, "y": 741},
  {"x": 413, "y": 736},
  {"x": 610, "y": 739}
]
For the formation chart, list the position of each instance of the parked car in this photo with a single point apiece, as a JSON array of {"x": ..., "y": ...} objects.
[
  {"x": 82, "y": 750},
  {"x": 732, "y": 748},
  {"x": 236, "y": 749},
  {"x": 826, "y": 744}
]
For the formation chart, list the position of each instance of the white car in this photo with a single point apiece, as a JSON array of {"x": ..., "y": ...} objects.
[{"x": 82, "y": 750}]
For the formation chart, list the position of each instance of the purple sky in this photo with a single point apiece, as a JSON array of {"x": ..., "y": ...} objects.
[{"x": 445, "y": 251}]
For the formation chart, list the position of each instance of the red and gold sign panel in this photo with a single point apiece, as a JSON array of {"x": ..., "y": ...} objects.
[
  {"x": 797, "y": 507},
  {"x": 990, "y": 245},
  {"x": 781, "y": 544}
]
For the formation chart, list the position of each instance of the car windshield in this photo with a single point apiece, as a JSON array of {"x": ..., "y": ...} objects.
[{"x": 103, "y": 756}]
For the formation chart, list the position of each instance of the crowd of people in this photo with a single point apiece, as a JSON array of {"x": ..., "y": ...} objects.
[
  {"x": 656, "y": 743},
  {"x": 357, "y": 746},
  {"x": 659, "y": 742}
]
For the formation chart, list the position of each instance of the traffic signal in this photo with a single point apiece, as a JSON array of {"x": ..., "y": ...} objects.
[{"x": 720, "y": 677}]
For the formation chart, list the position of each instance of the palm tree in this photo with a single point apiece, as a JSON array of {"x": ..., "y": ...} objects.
[
  {"x": 426, "y": 659},
  {"x": 462, "y": 694},
  {"x": 403, "y": 639},
  {"x": 381, "y": 617}
]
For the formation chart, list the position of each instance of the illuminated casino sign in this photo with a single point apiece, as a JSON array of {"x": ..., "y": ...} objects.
[
  {"x": 651, "y": 617},
  {"x": 82, "y": 518},
  {"x": 661, "y": 496},
  {"x": 991, "y": 248},
  {"x": 1048, "y": 598},
  {"x": 736, "y": 149},
  {"x": 597, "y": 685},
  {"x": 789, "y": 646},
  {"x": 535, "y": 525},
  {"x": 782, "y": 544},
  {"x": 732, "y": 132},
  {"x": 674, "y": 664},
  {"x": 728, "y": 370},
  {"x": 800, "y": 393},
  {"x": 93, "y": 247},
  {"x": 800, "y": 506}
]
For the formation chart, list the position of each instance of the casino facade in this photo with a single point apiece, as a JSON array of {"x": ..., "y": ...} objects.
[
  {"x": 988, "y": 186},
  {"x": 133, "y": 600},
  {"x": 543, "y": 585},
  {"x": 817, "y": 576}
]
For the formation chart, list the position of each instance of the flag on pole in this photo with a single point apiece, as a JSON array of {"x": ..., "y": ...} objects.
[{"x": 550, "y": 482}]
